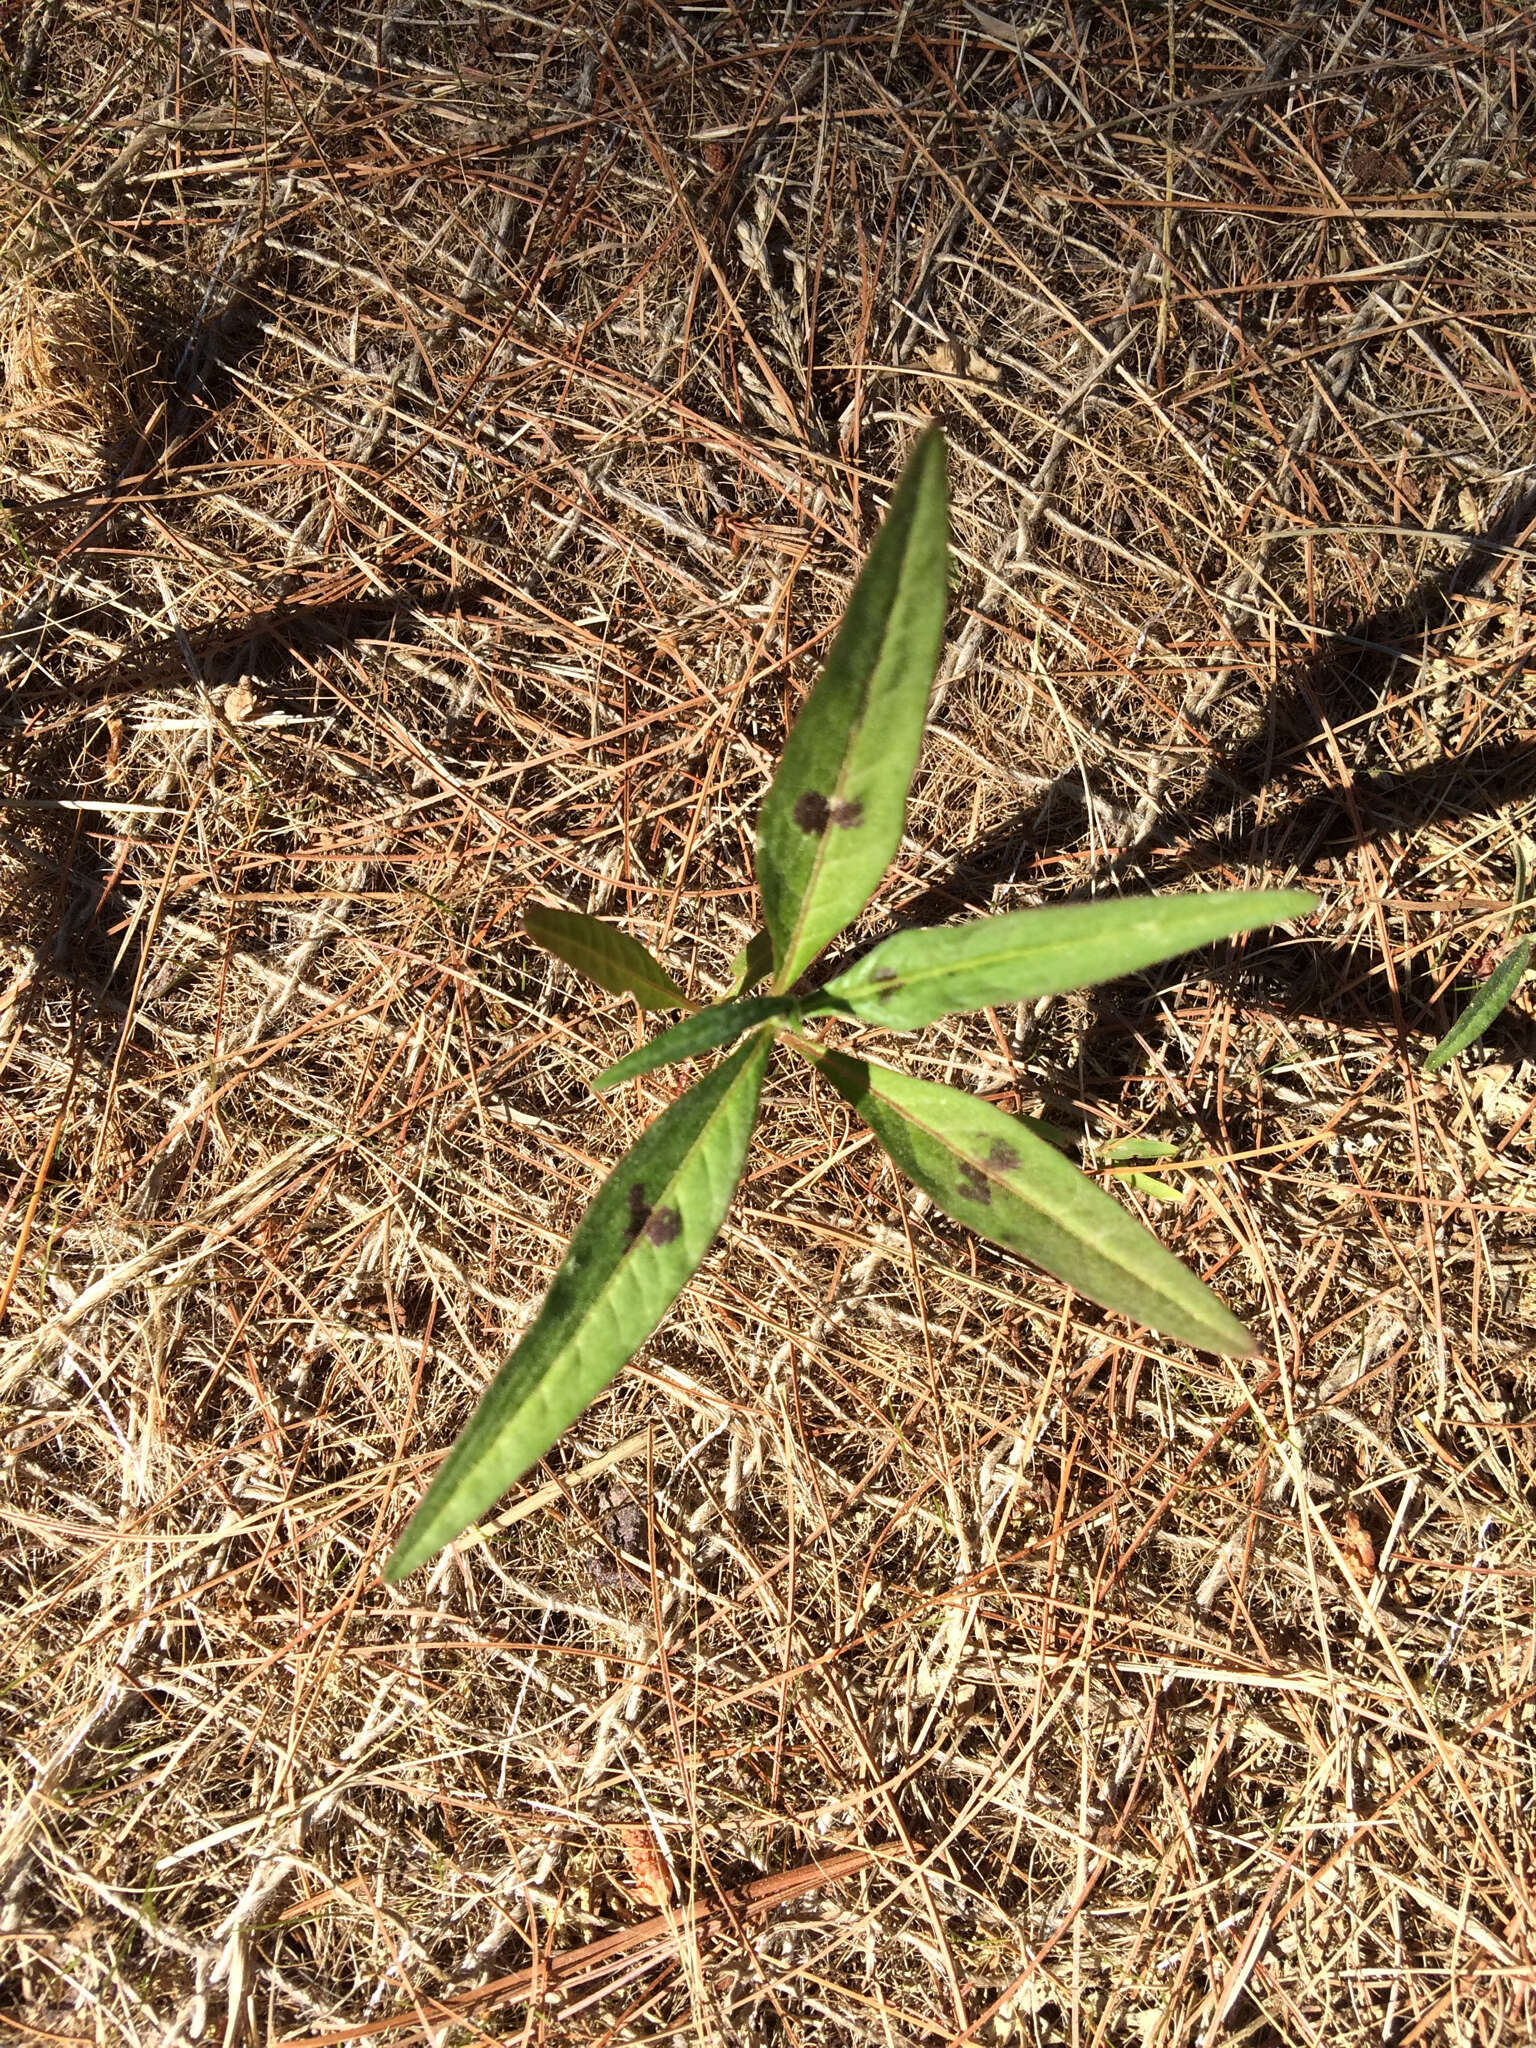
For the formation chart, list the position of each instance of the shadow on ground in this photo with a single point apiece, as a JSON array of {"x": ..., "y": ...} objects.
[{"x": 1280, "y": 786}]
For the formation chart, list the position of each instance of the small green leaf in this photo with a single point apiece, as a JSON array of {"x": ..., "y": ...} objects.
[
  {"x": 1154, "y": 1189},
  {"x": 1153, "y": 1149},
  {"x": 918, "y": 976},
  {"x": 649, "y": 1225},
  {"x": 985, "y": 1169},
  {"x": 605, "y": 955},
  {"x": 752, "y": 964},
  {"x": 831, "y": 823},
  {"x": 721, "y": 1024},
  {"x": 1490, "y": 999},
  {"x": 1139, "y": 1148}
]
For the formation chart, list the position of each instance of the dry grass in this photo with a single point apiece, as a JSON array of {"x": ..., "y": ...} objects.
[
  {"x": 499, "y": 400},
  {"x": 68, "y": 373}
]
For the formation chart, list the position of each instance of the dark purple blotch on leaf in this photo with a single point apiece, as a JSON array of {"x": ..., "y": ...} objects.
[
  {"x": 662, "y": 1226},
  {"x": 658, "y": 1226},
  {"x": 846, "y": 815},
  {"x": 1002, "y": 1156},
  {"x": 973, "y": 1186},
  {"x": 812, "y": 812}
]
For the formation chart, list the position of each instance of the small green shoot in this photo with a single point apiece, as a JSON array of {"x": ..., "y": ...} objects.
[
  {"x": 1153, "y": 1151},
  {"x": 829, "y": 828},
  {"x": 1491, "y": 998}
]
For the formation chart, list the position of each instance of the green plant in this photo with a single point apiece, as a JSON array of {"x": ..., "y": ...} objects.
[
  {"x": 829, "y": 828},
  {"x": 1495, "y": 994},
  {"x": 1491, "y": 1000}
]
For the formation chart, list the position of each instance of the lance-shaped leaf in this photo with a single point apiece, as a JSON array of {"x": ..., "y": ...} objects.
[
  {"x": 831, "y": 823},
  {"x": 605, "y": 955},
  {"x": 985, "y": 1169},
  {"x": 915, "y": 977},
  {"x": 752, "y": 963},
  {"x": 721, "y": 1024},
  {"x": 1490, "y": 999},
  {"x": 649, "y": 1225}
]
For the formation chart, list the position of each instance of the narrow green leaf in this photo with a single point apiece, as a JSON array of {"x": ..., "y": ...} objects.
[
  {"x": 1139, "y": 1148},
  {"x": 987, "y": 1170},
  {"x": 721, "y": 1024},
  {"x": 1125, "y": 1150},
  {"x": 831, "y": 823},
  {"x": 649, "y": 1225},
  {"x": 752, "y": 963},
  {"x": 1490, "y": 999},
  {"x": 605, "y": 955},
  {"x": 916, "y": 977},
  {"x": 1155, "y": 1190}
]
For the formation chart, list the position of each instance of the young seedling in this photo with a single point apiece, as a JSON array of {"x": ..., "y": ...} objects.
[
  {"x": 829, "y": 828},
  {"x": 1493, "y": 998}
]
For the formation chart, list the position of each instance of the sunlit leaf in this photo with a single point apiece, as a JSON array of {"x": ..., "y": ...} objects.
[
  {"x": 987, "y": 1170},
  {"x": 831, "y": 823},
  {"x": 918, "y": 976},
  {"x": 1121, "y": 1149},
  {"x": 605, "y": 955},
  {"x": 633, "y": 1252},
  {"x": 1490, "y": 999},
  {"x": 752, "y": 964},
  {"x": 1124, "y": 1150},
  {"x": 721, "y": 1024}
]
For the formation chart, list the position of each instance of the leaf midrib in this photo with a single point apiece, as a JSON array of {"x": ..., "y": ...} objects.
[
  {"x": 970, "y": 963},
  {"x": 998, "y": 1179},
  {"x": 783, "y": 984},
  {"x": 599, "y": 1301}
]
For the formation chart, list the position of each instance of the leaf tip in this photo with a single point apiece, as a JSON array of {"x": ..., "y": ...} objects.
[
  {"x": 1230, "y": 1338},
  {"x": 404, "y": 1559},
  {"x": 931, "y": 441}
]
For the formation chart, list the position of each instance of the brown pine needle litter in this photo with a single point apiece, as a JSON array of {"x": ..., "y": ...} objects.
[{"x": 436, "y": 441}]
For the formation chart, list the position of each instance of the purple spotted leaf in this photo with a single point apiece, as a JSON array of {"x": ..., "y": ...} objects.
[
  {"x": 634, "y": 1251},
  {"x": 919, "y": 976},
  {"x": 989, "y": 1171},
  {"x": 831, "y": 824}
]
